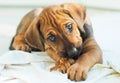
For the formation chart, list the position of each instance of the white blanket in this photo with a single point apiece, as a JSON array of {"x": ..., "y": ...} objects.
[
  {"x": 23, "y": 67},
  {"x": 34, "y": 68}
]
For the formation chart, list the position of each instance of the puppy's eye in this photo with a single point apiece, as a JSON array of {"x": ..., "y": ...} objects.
[
  {"x": 69, "y": 28},
  {"x": 52, "y": 38}
]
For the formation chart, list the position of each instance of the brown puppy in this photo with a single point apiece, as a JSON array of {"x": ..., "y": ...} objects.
[{"x": 65, "y": 32}]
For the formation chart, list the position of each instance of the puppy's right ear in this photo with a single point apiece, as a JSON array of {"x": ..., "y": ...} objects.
[{"x": 33, "y": 36}]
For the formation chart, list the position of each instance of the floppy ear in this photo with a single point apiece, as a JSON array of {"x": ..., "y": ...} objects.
[
  {"x": 77, "y": 12},
  {"x": 33, "y": 35}
]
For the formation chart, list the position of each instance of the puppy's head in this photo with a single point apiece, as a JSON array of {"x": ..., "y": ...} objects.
[{"x": 59, "y": 28}]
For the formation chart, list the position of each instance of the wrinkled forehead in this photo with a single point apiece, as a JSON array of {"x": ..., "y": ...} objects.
[
  {"x": 54, "y": 15},
  {"x": 53, "y": 18}
]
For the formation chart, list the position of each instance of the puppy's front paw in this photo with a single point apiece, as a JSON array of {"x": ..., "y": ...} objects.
[
  {"x": 63, "y": 65},
  {"x": 23, "y": 47},
  {"x": 77, "y": 72}
]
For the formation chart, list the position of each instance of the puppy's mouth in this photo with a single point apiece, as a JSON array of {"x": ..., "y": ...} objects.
[{"x": 72, "y": 53}]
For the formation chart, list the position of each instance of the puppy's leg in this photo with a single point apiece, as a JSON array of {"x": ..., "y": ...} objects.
[
  {"x": 19, "y": 43},
  {"x": 91, "y": 55}
]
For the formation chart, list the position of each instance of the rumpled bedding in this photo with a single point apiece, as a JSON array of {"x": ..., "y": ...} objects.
[
  {"x": 24, "y": 67},
  {"x": 34, "y": 68}
]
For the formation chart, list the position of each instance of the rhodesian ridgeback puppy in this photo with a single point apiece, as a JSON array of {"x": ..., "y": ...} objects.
[{"x": 65, "y": 33}]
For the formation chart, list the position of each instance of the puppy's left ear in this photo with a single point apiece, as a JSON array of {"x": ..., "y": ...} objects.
[
  {"x": 33, "y": 35},
  {"x": 77, "y": 12}
]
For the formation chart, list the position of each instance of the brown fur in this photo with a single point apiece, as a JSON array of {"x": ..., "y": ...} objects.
[{"x": 74, "y": 50}]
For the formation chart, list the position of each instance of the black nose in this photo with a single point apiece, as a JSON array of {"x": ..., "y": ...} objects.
[{"x": 73, "y": 53}]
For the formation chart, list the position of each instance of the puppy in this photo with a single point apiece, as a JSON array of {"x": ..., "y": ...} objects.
[{"x": 65, "y": 33}]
